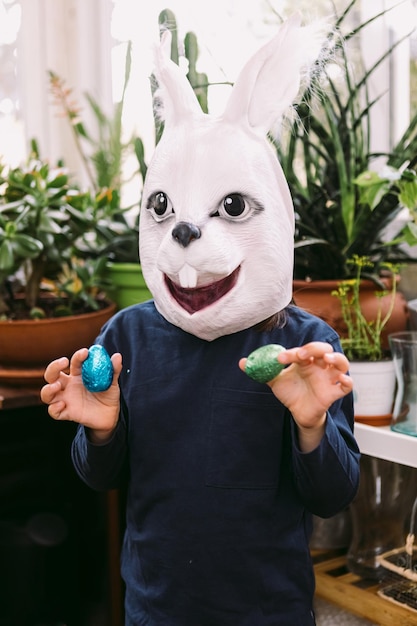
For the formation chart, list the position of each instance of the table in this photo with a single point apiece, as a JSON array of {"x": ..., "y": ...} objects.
[
  {"x": 18, "y": 397},
  {"x": 383, "y": 443}
]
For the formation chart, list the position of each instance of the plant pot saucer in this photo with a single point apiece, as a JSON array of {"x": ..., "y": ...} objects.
[
  {"x": 24, "y": 377},
  {"x": 380, "y": 420},
  {"x": 374, "y": 420}
]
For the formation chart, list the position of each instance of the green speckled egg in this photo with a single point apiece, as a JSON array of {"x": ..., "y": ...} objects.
[
  {"x": 262, "y": 364},
  {"x": 97, "y": 369}
]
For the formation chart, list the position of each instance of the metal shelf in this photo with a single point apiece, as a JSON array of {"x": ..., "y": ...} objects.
[{"x": 383, "y": 443}]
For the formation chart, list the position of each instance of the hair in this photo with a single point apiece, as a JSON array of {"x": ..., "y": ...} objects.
[{"x": 278, "y": 320}]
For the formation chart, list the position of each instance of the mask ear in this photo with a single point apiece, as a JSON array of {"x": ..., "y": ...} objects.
[
  {"x": 269, "y": 82},
  {"x": 175, "y": 97}
]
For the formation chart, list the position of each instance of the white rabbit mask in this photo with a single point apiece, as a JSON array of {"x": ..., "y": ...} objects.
[{"x": 217, "y": 220}]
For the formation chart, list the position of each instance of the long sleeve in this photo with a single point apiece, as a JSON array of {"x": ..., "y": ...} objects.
[
  {"x": 327, "y": 478},
  {"x": 104, "y": 466}
]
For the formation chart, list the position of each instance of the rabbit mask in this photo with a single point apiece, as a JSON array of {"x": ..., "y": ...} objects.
[{"x": 217, "y": 220}]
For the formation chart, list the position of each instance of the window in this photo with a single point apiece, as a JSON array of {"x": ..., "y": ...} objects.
[
  {"x": 11, "y": 122},
  {"x": 85, "y": 43}
]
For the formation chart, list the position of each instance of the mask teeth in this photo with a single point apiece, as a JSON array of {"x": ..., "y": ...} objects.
[{"x": 187, "y": 277}]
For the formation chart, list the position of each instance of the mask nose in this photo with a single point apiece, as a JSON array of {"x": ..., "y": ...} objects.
[{"x": 184, "y": 233}]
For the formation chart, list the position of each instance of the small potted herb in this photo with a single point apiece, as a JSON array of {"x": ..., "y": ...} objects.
[{"x": 364, "y": 344}]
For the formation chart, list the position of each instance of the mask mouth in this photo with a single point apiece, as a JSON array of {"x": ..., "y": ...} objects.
[{"x": 197, "y": 298}]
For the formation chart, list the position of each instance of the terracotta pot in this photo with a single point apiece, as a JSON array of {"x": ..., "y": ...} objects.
[
  {"x": 27, "y": 346},
  {"x": 315, "y": 297}
]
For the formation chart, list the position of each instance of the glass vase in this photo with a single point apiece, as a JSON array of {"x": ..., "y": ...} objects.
[
  {"x": 404, "y": 352},
  {"x": 380, "y": 514}
]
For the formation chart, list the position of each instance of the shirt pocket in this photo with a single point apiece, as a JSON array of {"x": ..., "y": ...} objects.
[{"x": 245, "y": 439}]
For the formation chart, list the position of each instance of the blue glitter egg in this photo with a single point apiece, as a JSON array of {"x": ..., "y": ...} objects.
[{"x": 97, "y": 369}]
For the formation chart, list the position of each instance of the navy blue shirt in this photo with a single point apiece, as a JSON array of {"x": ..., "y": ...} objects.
[{"x": 219, "y": 494}]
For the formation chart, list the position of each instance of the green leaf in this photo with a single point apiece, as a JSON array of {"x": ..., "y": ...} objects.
[
  {"x": 140, "y": 155},
  {"x": 409, "y": 234},
  {"x": 53, "y": 198},
  {"x": 373, "y": 194},
  {"x": 10, "y": 206},
  {"x": 10, "y": 229},
  {"x": 58, "y": 215},
  {"x": 44, "y": 171},
  {"x": 59, "y": 181},
  {"x": 49, "y": 225},
  {"x": 368, "y": 179},
  {"x": 408, "y": 193},
  {"x": 309, "y": 242},
  {"x": 27, "y": 246},
  {"x": 6, "y": 255}
]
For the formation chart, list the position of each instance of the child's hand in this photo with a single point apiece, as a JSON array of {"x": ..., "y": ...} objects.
[
  {"x": 68, "y": 399},
  {"x": 316, "y": 377}
]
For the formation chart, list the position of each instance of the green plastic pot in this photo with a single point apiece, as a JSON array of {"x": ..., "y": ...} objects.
[{"x": 128, "y": 284}]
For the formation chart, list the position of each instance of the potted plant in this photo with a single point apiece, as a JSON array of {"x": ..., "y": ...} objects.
[
  {"x": 111, "y": 237},
  {"x": 371, "y": 365},
  {"x": 116, "y": 227},
  {"x": 44, "y": 283},
  {"x": 341, "y": 207},
  {"x": 377, "y": 522}
]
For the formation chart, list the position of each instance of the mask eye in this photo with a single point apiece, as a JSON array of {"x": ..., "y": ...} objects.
[
  {"x": 160, "y": 206},
  {"x": 234, "y": 206}
]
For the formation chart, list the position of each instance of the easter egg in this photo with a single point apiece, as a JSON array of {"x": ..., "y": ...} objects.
[
  {"x": 97, "y": 369},
  {"x": 262, "y": 364}
]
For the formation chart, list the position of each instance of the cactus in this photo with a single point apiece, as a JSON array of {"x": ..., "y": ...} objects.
[
  {"x": 168, "y": 21},
  {"x": 198, "y": 81}
]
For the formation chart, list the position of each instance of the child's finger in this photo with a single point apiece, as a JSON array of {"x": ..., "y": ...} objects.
[
  {"x": 346, "y": 383},
  {"x": 77, "y": 361},
  {"x": 314, "y": 349},
  {"x": 306, "y": 353},
  {"x": 48, "y": 392},
  {"x": 338, "y": 360},
  {"x": 116, "y": 360},
  {"x": 54, "y": 369},
  {"x": 55, "y": 410}
]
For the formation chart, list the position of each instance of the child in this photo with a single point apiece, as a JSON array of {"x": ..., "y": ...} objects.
[{"x": 223, "y": 472}]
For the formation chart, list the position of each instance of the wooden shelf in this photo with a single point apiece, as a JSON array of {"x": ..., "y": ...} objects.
[
  {"x": 335, "y": 583},
  {"x": 19, "y": 397},
  {"x": 383, "y": 443}
]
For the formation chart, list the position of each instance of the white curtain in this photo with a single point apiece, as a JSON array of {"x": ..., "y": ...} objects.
[
  {"x": 72, "y": 38},
  {"x": 391, "y": 80}
]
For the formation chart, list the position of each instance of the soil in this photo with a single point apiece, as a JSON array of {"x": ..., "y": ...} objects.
[{"x": 49, "y": 307}]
